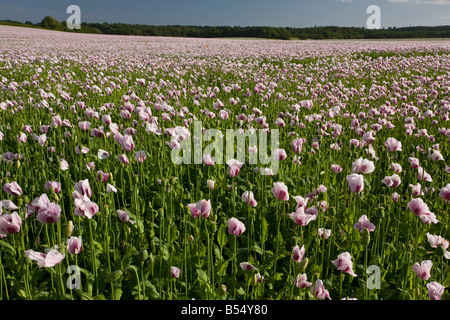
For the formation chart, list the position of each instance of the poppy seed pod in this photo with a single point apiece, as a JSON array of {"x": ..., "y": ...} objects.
[
  {"x": 365, "y": 237},
  {"x": 143, "y": 255},
  {"x": 302, "y": 265}
]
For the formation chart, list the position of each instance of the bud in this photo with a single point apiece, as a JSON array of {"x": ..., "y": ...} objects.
[
  {"x": 113, "y": 276},
  {"x": 441, "y": 250},
  {"x": 257, "y": 278},
  {"x": 69, "y": 228},
  {"x": 143, "y": 255},
  {"x": 365, "y": 238},
  {"x": 302, "y": 265}
]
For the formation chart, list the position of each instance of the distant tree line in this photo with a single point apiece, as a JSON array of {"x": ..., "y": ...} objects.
[{"x": 285, "y": 33}]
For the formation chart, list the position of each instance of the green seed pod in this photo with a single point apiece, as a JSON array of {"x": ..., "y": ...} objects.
[
  {"x": 113, "y": 276},
  {"x": 143, "y": 255},
  {"x": 302, "y": 265},
  {"x": 365, "y": 237},
  {"x": 440, "y": 250}
]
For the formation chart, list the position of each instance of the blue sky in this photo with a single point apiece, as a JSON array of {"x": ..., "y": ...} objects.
[{"x": 284, "y": 13}]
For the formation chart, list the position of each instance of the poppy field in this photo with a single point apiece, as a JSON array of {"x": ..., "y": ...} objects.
[{"x": 116, "y": 185}]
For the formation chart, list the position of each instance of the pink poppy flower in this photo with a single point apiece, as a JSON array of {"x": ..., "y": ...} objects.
[
  {"x": 301, "y": 281},
  {"x": 414, "y": 162},
  {"x": 124, "y": 216},
  {"x": 49, "y": 214},
  {"x": 22, "y": 137},
  {"x": 84, "y": 207},
  {"x": 127, "y": 143},
  {"x": 280, "y": 154},
  {"x": 13, "y": 189},
  {"x": 124, "y": 159},
  {"x": 393, "y": 144},
  {"x": 50, "y": 259},
  {"x": 297, "y": 145},
  {"x": 336, "y": 168},
  {"x": 392, "y": 181},
  {"x": 39, "y": 202},
  {"x": 438, "y": 241},
  {"x": 435, "y": 290},
  {"x": 324, "y": 233},
  {"x": 210, "y": 184},
  {"x": 53, "y": 184},
  {"x": 363, "y": 166},
  {"x": 140, "y": 156},
  {"x": 204, "y": 207},
  {"x": 435, "y": 155},
  {"x": 298, "y": 253},
  {"x": 355, "y": 182},
  {"x": 302, "y": 218},
  {"x": 363, "y": 223},
  {"x": 396, "y": 167},
  {"x": 234, "y": 166},
  {"x": 416, "y": 190},
  {"x": 8, "y": 205},
  {"x": 301, "y": 202},
  {"x": 97, "y": 133},
  {"x": 84, "y": 125},
  {"x": 10, "y": 223},
  {"x": 444, "y": 193},
  {"x": 235, "y": 227},
  {"x": 102, "y": 154},
  {"x": 175, "y": 272},
  {"x": 319, "y": 290},
  {"x": 102, "y": 176},
  {"x": 247, "y": 266},
  {"x": 194, "y": 212},
  {"x": 207, "y": 160},
  {"x": 344, "y": 263},
  {"x": 280, "y": 191},
  {"x": 423, "y": 269},
  {"x": 83, "y": 188},
  {"x": 420, "y": 208},
  {"x": 64, "y": 165},
  {"x": 422, "y": 175},
  {"x": 74, "y": 245},
  {"x": 395, "y": 197},
  {"x": 110, "y": 188},
  {"x": 249, "y": 199}
]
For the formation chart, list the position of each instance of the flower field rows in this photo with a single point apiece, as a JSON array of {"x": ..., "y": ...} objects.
[{"x": 94, "y": 204}]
